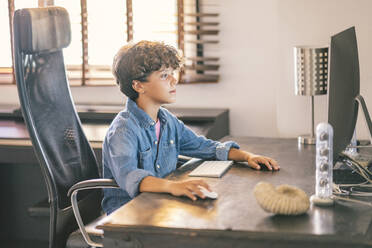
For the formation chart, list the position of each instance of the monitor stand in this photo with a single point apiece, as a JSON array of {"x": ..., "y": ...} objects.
[{"x": 343, "y": 171}]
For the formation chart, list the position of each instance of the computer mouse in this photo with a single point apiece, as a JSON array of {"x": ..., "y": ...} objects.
[
  {"x": 208, "y": 194},
  {"x": 263, "y": 167}
]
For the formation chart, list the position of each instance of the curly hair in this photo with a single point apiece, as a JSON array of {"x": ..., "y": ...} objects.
[{"x": 137, "y": 61}]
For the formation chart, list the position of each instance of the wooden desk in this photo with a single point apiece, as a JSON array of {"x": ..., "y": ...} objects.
[{"x": 235, "y": 219}]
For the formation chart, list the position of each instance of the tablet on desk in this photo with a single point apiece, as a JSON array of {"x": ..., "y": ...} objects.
[{"x": 211, "y": 169}]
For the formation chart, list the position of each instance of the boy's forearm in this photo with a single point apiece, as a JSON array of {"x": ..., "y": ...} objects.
[
  {"x": 239, "y": 155},
  {"x": 154, "y": 184}
]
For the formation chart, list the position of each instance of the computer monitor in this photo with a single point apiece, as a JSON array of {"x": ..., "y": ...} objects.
[{"x": 343, "y": 88}]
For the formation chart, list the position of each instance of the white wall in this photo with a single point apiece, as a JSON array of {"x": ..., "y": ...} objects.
[
  {"x": 256, "y": 51},
  {"x": 305, "y": 22}
]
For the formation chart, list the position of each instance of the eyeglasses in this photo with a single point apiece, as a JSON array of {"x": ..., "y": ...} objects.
[{"x": 165, "y": 74}]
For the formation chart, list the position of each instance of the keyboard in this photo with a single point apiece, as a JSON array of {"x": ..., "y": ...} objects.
[{"x": 211, "y": 169}]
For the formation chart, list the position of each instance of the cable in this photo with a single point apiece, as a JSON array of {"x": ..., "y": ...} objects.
[
  {"x": 351, "y": 200},
  {"x": 340, "y": 191},
  {"x": 357, "y": 167},
  {"x": 352, "y": 190}
]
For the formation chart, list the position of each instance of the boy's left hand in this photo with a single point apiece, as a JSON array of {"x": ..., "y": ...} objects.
[{"x": 257, "y": 161}]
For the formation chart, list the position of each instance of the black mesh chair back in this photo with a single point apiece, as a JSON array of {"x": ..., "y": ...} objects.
[{"x": 63, "y": 151}]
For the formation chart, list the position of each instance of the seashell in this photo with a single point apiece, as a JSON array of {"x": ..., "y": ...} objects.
[{"x": 284, "y": 199}]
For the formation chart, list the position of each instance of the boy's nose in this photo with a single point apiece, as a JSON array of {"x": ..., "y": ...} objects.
[{"x": 174, "y": 79}]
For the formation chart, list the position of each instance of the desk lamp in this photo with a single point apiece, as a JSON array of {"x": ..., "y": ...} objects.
[{"x": 311, "y": 76}]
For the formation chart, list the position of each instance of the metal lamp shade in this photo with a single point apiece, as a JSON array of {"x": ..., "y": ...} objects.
[
  {"x": 311, "y": 77},
  {"x": 311, "y": 70}
]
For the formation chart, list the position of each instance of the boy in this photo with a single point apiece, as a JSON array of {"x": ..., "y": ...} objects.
[{"x": 144, "y": 140}]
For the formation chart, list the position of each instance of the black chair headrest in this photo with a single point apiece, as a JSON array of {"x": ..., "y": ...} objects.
[{"x": 43, "y": 29}]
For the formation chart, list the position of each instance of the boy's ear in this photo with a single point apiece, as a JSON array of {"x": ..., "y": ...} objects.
[{"x": 138, "y": 87}]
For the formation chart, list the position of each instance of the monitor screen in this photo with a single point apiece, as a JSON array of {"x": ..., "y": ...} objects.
[{"x": 343, "y": 88}]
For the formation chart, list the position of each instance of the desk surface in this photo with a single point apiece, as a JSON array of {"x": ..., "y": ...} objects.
[{"x": 236, "y": 213}]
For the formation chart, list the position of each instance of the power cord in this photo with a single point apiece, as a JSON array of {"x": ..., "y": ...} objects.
[
  {"x": 334, "y": 197},
  {"x": 344, "y": 191}
]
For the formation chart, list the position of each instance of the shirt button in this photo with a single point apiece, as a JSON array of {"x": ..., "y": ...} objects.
[
  {"x": 171, "y": 141},
  {"x": 156, "y": 142},
  {"x": 152, "y": 123},
  {"x": 158, "y": 166}
]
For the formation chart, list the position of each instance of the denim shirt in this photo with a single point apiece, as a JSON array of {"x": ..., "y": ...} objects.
[{"x": 132, "y": 152}]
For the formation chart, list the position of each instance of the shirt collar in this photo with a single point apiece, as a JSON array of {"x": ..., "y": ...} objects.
[{"x": 143, "y": 118}]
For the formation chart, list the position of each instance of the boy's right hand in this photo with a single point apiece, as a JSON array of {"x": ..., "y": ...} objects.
[{"x": 187, "y": 188}]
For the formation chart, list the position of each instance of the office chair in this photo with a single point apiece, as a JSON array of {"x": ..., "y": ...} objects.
[{"x": 67, "y": 161}]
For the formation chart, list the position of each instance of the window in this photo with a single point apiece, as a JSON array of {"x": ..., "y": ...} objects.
[
  {"x": 6, "y": 75},
  {"x": 73, "y": 53},
  {"x": 91, "y": 51},
  {"x": 107, "y": 31},
  {"x": 199, "y": 32},
  {"x": 5, "y": 44},
  {"x": 159, "y": 18},
  {"x": 99, "y": 29}
]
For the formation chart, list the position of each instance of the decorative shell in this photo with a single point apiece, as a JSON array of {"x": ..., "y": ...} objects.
[{"x": 284, "y": 199}]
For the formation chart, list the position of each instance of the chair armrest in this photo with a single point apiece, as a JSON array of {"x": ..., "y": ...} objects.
[
  {"x": 182, "y": 159},
  {"x": 87, "y": 184},
  {"x": 93, "y": 184}
]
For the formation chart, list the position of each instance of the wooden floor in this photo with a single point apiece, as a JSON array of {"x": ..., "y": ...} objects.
[{"x": 23, "y": 244}]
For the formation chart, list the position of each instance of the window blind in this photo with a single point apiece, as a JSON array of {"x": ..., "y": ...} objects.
[
  {"x": 99, "y": 30},
  {"x": 199, "y": 34}
]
